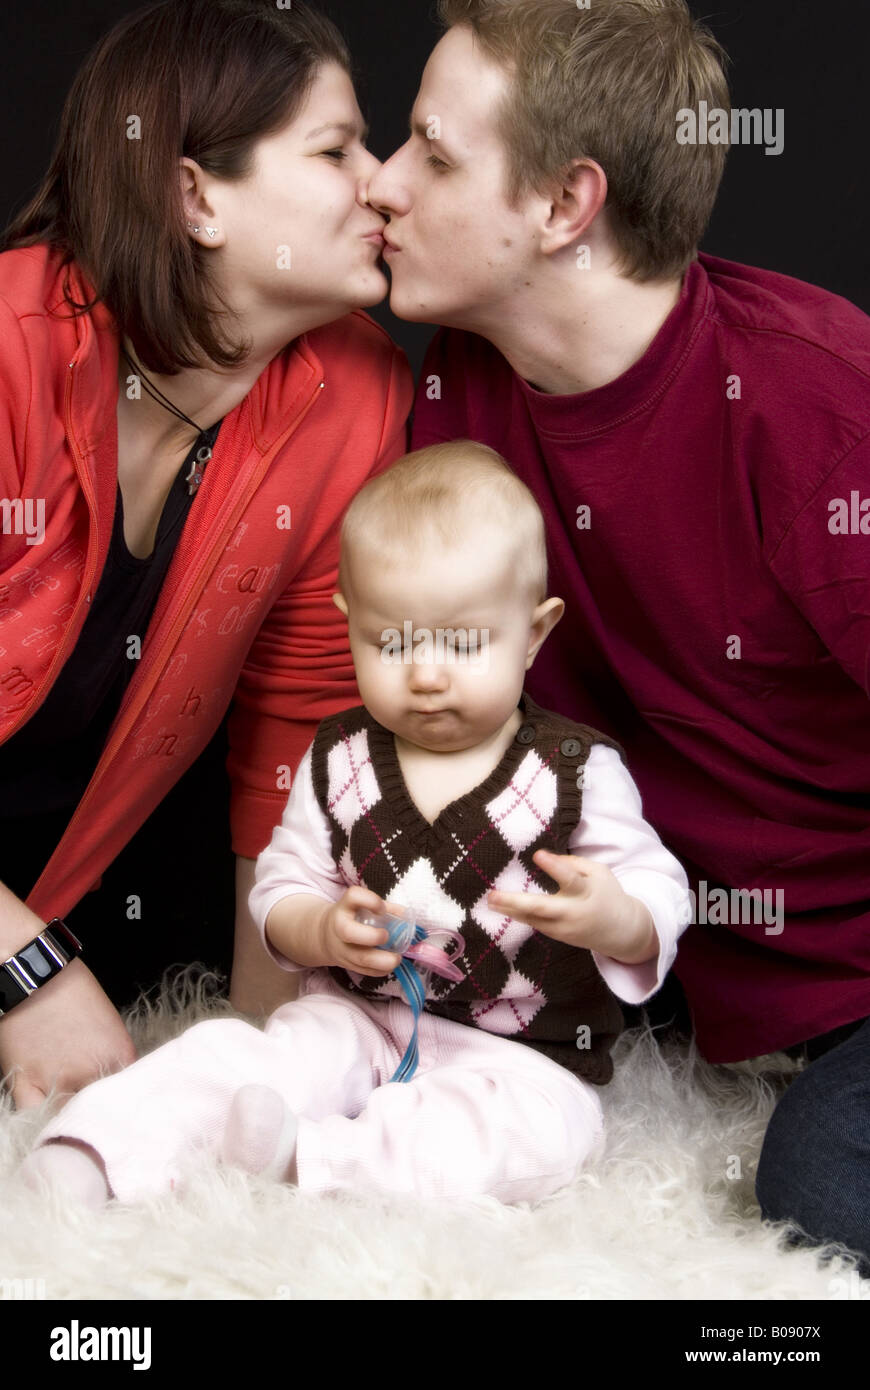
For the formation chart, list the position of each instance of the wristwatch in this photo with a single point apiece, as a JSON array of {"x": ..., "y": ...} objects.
[{"x": 44, "y": 957}]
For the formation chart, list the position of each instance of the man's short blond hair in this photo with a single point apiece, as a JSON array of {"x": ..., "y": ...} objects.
[
  {"x": 446, "y": 490},
  {"x": 605, "y": 83}
]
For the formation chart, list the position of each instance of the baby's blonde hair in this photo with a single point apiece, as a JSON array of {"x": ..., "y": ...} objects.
[{"x": 445, "y": 487}]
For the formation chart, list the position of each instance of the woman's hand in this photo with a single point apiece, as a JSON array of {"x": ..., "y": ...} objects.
[{"x": 66, "y": 1034}]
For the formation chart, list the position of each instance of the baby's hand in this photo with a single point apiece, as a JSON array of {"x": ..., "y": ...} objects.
[
  {"x": 591, "y": 909},
  {"x": 344, "y": 941}
]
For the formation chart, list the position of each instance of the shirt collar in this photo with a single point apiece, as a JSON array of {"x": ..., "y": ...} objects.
[{"x": 589, "y": 412}]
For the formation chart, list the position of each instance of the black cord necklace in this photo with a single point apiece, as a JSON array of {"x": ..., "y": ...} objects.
[{"x": 204, "y": 452}]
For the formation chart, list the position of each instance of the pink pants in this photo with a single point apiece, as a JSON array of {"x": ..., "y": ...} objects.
[{"x": 482, "y": 1114}]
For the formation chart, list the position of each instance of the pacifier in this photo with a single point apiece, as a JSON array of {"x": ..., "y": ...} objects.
[
  {"x": 437, "y": 949},
  {"x": 422, "y": 951}
]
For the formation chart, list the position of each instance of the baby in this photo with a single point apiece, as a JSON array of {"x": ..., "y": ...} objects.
[{"x": 452, "y": 798}]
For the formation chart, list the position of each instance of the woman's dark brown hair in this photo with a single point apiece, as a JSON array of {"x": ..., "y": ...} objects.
[{"x": 207, "y": 79}]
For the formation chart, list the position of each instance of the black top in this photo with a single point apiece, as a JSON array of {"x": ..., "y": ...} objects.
[{"x": 46, "y": 766}]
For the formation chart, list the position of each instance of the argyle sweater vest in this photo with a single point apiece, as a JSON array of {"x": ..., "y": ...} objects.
[{"x": 517, "y": 982}]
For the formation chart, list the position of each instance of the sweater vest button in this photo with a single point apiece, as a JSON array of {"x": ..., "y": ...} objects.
[
  {"x": 570, "y": 747},
  {"x": 526, "y": 733}
]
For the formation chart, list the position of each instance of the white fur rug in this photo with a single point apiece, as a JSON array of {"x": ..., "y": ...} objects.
[{"x": 667, "y": 1212}]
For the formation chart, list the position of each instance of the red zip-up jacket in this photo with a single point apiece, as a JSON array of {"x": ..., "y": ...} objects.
[{"x": 245, "y": 614}]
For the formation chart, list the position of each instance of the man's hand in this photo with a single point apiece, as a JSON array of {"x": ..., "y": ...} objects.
[
  {"x": 590, "y": 910},
  {"x": 68, "y": 1033}
]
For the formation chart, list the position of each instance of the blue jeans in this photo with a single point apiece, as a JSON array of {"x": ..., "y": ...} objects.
[{"x": 815, "y": 1160}]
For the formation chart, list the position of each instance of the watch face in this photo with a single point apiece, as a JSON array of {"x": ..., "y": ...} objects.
[{"x": 36, "y": 962}]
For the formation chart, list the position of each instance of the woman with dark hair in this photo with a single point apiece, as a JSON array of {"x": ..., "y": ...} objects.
[{"x": 190, "y": 396}]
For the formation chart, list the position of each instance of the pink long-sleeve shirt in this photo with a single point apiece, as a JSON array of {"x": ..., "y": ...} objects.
[{"x": 611, "y": 830}]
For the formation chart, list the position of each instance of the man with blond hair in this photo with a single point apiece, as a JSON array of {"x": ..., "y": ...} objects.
[{"x": 696, "y": 433}]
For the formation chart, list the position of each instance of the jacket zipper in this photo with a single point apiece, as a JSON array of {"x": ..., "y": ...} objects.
[{"x": 129, "y": 716}]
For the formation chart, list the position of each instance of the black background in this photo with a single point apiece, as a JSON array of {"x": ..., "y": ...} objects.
[{"x": 799, "y": 212}]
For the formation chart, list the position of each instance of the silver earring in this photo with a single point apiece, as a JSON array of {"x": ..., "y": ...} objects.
[
  {"x": 196, "y": 229},
  {"x": 212, "y": 231}
]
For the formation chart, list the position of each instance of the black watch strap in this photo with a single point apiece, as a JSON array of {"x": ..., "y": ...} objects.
[{"x": 37, "y": 963}]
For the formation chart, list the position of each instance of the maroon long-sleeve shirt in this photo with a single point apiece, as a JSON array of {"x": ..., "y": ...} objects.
[{"x": 718, "y": 618}]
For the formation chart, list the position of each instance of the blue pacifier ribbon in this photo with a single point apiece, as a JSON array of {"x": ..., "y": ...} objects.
[
  {"x": 414, "y": 943},
  {"x": 403, "y": 934}
]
